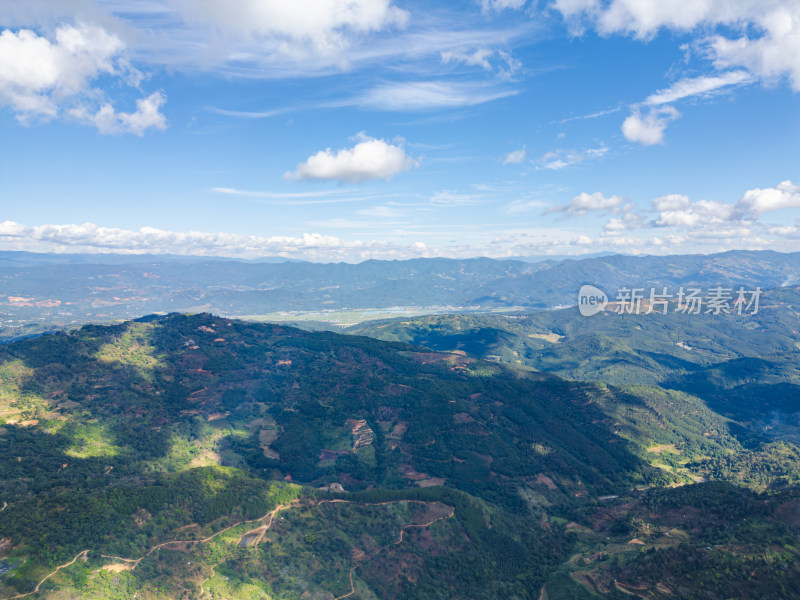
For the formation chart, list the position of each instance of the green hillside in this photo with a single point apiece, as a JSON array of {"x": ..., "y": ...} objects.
[
  {"x": 744, "y": 367},
  {"x": 150, "y": 458}
]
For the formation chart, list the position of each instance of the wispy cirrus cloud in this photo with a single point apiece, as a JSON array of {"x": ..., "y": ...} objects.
[
  {"x": 488, "y": 59},
  {"x": 335, "y": 196},
  {"x": 515, "y": 157},
  {"x": 562, "y": 158},
  {"x": 594, "y": 115},
  {"x": 648, "y": 121},
  {"x": 427, "y": 95},
  {"x": 690, "y": 87},
  {"x": 398, "y": 96}
]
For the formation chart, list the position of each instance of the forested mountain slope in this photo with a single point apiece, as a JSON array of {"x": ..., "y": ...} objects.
[{"x": 155, "y": 454}]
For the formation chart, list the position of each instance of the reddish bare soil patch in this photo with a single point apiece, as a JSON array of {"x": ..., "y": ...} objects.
[
  {"x": 544, "y": 480},
  {"x": 119, "y": 567},
  {"x": 431, "y": 482},
  {"x": 461, "y": 418},
  {"x": 584, "y": 579},
  {"x": 362, "y": 434},
  {"x": 408, "y": 472}
]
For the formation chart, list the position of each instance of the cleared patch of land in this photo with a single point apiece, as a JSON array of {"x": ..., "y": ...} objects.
[{"x": 346, "y": 317}]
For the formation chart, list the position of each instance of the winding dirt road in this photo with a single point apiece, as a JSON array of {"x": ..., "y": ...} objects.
[
  {"x": 402, "y": 530},
  {"x": 267, "y": 520},
  {"x": 135, "y": 561},
  {"x": 38, "y": 585}
]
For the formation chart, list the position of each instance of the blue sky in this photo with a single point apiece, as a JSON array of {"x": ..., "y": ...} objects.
[{"x": 354, "y": 129}]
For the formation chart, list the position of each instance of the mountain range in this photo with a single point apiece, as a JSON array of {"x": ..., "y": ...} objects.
[
  {"x": 177, "y": 456},
  {"x": 39, "y": 292}
]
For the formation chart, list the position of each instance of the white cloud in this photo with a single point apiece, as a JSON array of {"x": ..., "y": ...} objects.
[
  {"x": 559, "y": 158},
  {"x": 671, "y": 202},
  {"x": 785, "y": 195},
  {"x": 648, "y": 129},
  {"x": 109, "y": 121},
  {"x": 40, "y": 78},
  {"x": 785, "y": 230},
  {"x": 709, "y": 216},
  {"x": 776, "y": 53},
  {"x": 335, "y": 196},
  {"x": 626, "y": 222},
  {"x": 583, "y": 203},
  {"x": 478, "y": 58},
  {"x": 514, "y": 158},
  {"x": 454, "y": 198},
  {"x": 676, "y": 213},
  {"x": 369, "y": 159},
  {"x": 486, "y": 58},
  {"x": 89, "y": 237},
  {"x": 698, "y": 86},
  {"x": 518, "y": 207},
  {"x": 758, "y": 39},
  {"x": 381, "y": 212},
  {"x": 762, "y": 36},
  {"x": 323, "y": 26},
  {"x": 594, "y": 115},
  {"x": 424, "y": 95},
  {"x": 499, "y": 5},
  {"x": 678, "y": 218},
  {"x": 35, "y": 73}
]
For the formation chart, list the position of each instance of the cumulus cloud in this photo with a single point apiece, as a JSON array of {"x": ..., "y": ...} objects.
[
  {"x": 671, "y": 202},
  {"x": 747, "y": 40},
  {"x": 648, "y": 129},
  {"x": 109, "y": 121},
  {"x": 762, "y": 37},
  {"x": 704, "y": 212},
  {"x": 627, "y": 222},
  {"x": 775, "y": 54},
  {"x": 583, "y": 203},
  {"x": 369, "y": 159},
  {"x": 36, "y": 73},
  {"x": 325, "y": 27},
  {"x": 43, "y": 78},
  {"x": 679, "y": 211},
  {"x": 785, "y": 195},
  {"x": 89, "y": 237},
  {"x": 706, "y": 219},
  {"x": 515, "y": 158}
]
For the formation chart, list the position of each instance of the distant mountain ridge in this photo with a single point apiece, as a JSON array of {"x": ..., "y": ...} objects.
[{"x": 70, "y": 294}]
